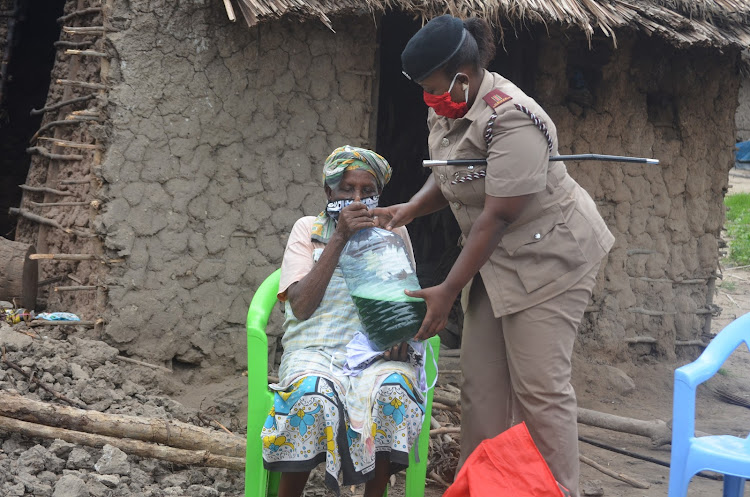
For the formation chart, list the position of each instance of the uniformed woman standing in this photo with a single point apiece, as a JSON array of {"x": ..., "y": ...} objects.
[{"x": 532, "y": 243}]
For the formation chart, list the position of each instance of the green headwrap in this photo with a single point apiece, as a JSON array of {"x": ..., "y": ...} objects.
[{"x": 348, "y": 158}]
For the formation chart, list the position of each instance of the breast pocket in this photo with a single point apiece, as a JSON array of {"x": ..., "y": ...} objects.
[{"x": 543, "y": 250}]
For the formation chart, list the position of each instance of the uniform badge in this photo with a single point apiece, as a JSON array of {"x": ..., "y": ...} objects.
[{"x": 495, "y": 98}]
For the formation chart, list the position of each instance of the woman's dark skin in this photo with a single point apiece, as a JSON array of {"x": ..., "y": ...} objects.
[
  {"x": 486, "y": 232},
  {"x": 305, "y": 295}
]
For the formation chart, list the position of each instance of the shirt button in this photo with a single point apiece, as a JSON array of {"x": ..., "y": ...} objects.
[
  {"x": 445, "y": 142},
  {"x": 456, "y": 205},
  {"x": 537, "y": 236}
]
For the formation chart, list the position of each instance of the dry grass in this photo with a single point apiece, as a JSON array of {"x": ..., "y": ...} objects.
[{"x": 719, "y": 23}]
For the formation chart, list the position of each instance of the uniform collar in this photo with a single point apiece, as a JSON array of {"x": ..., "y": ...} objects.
[{"x": 479, "y": 105}]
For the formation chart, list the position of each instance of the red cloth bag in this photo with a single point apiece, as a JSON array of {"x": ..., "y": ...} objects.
[{"x": 507, "y": 465}]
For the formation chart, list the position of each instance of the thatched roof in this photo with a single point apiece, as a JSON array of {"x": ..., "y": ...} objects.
[{"x": 713, "y": 23}]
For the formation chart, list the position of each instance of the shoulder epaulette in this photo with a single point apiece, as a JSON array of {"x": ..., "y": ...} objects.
[{"x": 495, "y": 98}]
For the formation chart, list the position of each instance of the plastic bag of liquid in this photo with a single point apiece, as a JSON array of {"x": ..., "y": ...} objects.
[{"x": 377, "y": 270}]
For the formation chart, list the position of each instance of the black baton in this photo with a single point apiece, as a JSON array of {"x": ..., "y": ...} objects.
[{"x": 483, "y": 162}]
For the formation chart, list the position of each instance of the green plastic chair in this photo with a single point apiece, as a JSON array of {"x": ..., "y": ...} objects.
[{"x": 262, "y": 483}]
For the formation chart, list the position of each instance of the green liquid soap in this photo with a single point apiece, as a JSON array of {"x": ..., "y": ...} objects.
[{"x": 389, "y": 323}]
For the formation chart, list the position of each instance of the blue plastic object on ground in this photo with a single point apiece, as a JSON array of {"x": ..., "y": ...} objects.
[{"x": 724, "y": 454}]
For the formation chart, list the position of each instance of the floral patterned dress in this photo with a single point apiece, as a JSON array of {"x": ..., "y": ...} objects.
[{"x": 320, "y": 414}]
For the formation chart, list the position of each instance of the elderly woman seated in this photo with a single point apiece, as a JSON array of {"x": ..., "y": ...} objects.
[{"x": 362, "y": 426}]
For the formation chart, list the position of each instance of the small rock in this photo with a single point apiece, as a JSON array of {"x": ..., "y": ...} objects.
[
  {"x": 16, "y": 490},
  {"x": 178, "y": 491},
  {"x": 592, "y": 488},
  {"x": 97, "y": 489},
  {"x": 70, "y": 486},
  {"x": 109, "y": 480},
  {"x": 61, "y": 448},
  {"x": 619, "y": 381},
  {"x": 175, "y": 480},
  {"x": 93, "y": 353},
  {"x": 78, "y": 372},
  {"x": 12, "y": 340},
  {"x": 78, "y": 459},
  {"x": 113, "y": 462},
  {"x": 202, "y": 491},
  {"x": 32, "y": 460}
]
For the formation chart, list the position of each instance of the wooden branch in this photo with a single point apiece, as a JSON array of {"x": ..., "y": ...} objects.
[
  {"x": 62, "y": 104},
  {"x": 57, "y": 204},
  {"x": 445, "y": 400},
  {"x": 46, "y": 322},
  {"x": 641, "y": 251},
  {"x": 135, "y": 447},
  {"x": 87, "y": 30},
  {"x": 76, "y": 288},
  {"x": 48, "y": 222},
  {"x": 73, "y": 44},
  {"x": 67, "y": 143},
  {"x": 64, "y": 257},
  {"x": 230, "y": 10},
  {"x": 649, "y": 312},
  {"x": 51, "y": 280},
  {"x": 641, "y": 339},
  {"x": 617, "y": 476},
  {"x": 437, "y": 478},
  {"x": 141, "y": 363},
  {"x": 82, "y": 181},
  {"x": 51, "y": 125},
  {"x": 46, "y": 153},
  {"x": 45, "y": 189},
  {"x": 85, "y": 53},
  {"x": 54, "y": 393},
  {"x": 445, "y": 429},
  {"x": 688, "y": 343},
  {"x": 657, "y": 430},
  {"x": 442, "y": 407},
  {"x": 82, "y": 84},
  {"x": 82, "y": 12},
  {"x": 152, "y": 430}
]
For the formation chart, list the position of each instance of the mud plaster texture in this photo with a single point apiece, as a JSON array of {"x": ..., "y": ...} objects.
[
  {"x": 219, "y": 132},
  {"x": 743, "y": 108},
  {"x": 215, "y": 134},
  {"x": 677, "y": 106},
  {"x": 49, "y": 173}
]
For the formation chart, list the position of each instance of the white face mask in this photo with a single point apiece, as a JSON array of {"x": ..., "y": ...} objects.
[{"x": 334, "y": 207}]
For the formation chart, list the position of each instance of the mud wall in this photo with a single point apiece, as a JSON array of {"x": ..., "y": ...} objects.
[
  {"x": 219, "y": 133},
  {"x": 647, "y": 99},
  {"x": 743, "y": 107}
]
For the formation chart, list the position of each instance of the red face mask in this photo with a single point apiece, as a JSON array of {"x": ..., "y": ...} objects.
[{"x": 445, "y": 106}]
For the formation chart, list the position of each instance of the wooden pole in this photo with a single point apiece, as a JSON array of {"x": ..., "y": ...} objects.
[
  {"x": 45, "y": 189},
  {"x": 152, "y": 430},
  {"x": 657, "y": 430},
  {"x": 82, "y": 84},
  {"x": 48, "y": 222},
  {"x": 19, "y": 273},
  {"x": 62, "y": 104},
  {"x": 45, "y": 322},
  {"x": 49, "y": 155},
  {"x": 67, "y": 143},
  {"x": 135, "y": 447},
  {"x": 56, "y": 204},
  {"x": 65, "y": 257},
  {"x": 617, "y": 476},
  {"x": 141, "y": 363},
  {"x": 75, "y": 288},
  {"x": 88, "y": 53},
  {"x": 82, "y": 12},
  {"x": 52, "y": 124},
  {"x": 86, "y": 30}
]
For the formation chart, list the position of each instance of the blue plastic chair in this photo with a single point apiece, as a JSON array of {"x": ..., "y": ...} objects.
[
  {"x": 262, "y": 483},
  {"x": 724, "y": 453}
]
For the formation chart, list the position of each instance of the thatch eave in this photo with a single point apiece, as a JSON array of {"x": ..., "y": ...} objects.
[{"x": 684, "y": 23}]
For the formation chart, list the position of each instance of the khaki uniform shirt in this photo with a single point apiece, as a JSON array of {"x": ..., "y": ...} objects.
[{"x": 558, "y": 237}]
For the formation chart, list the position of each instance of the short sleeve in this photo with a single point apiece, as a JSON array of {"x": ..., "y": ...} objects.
[
  {"x": 518, "y": 157},
  {"x": 298, "y": 255}
]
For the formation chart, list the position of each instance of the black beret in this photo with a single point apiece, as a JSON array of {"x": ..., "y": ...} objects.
[{"x": 432, "y": 46}]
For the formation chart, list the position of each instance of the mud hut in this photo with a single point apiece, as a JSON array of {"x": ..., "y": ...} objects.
[{"x": 175, "y": 148}]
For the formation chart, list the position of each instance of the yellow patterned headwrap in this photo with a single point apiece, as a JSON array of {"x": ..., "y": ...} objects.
[{"x": 347, "y": 158}]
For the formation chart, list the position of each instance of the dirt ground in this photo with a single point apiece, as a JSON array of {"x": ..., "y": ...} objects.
[{"x": 649, "y": 397}]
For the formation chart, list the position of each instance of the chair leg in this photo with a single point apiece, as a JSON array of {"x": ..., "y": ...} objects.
[
  {"x": 273, "y": 483},
  {"x": 734, "y": 486},
  {"x": 678, "y": 484}
]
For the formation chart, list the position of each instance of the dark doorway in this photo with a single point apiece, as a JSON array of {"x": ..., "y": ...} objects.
[
  {"x": 402, "y": 139},
  {"x": 30, "y": 55}
]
